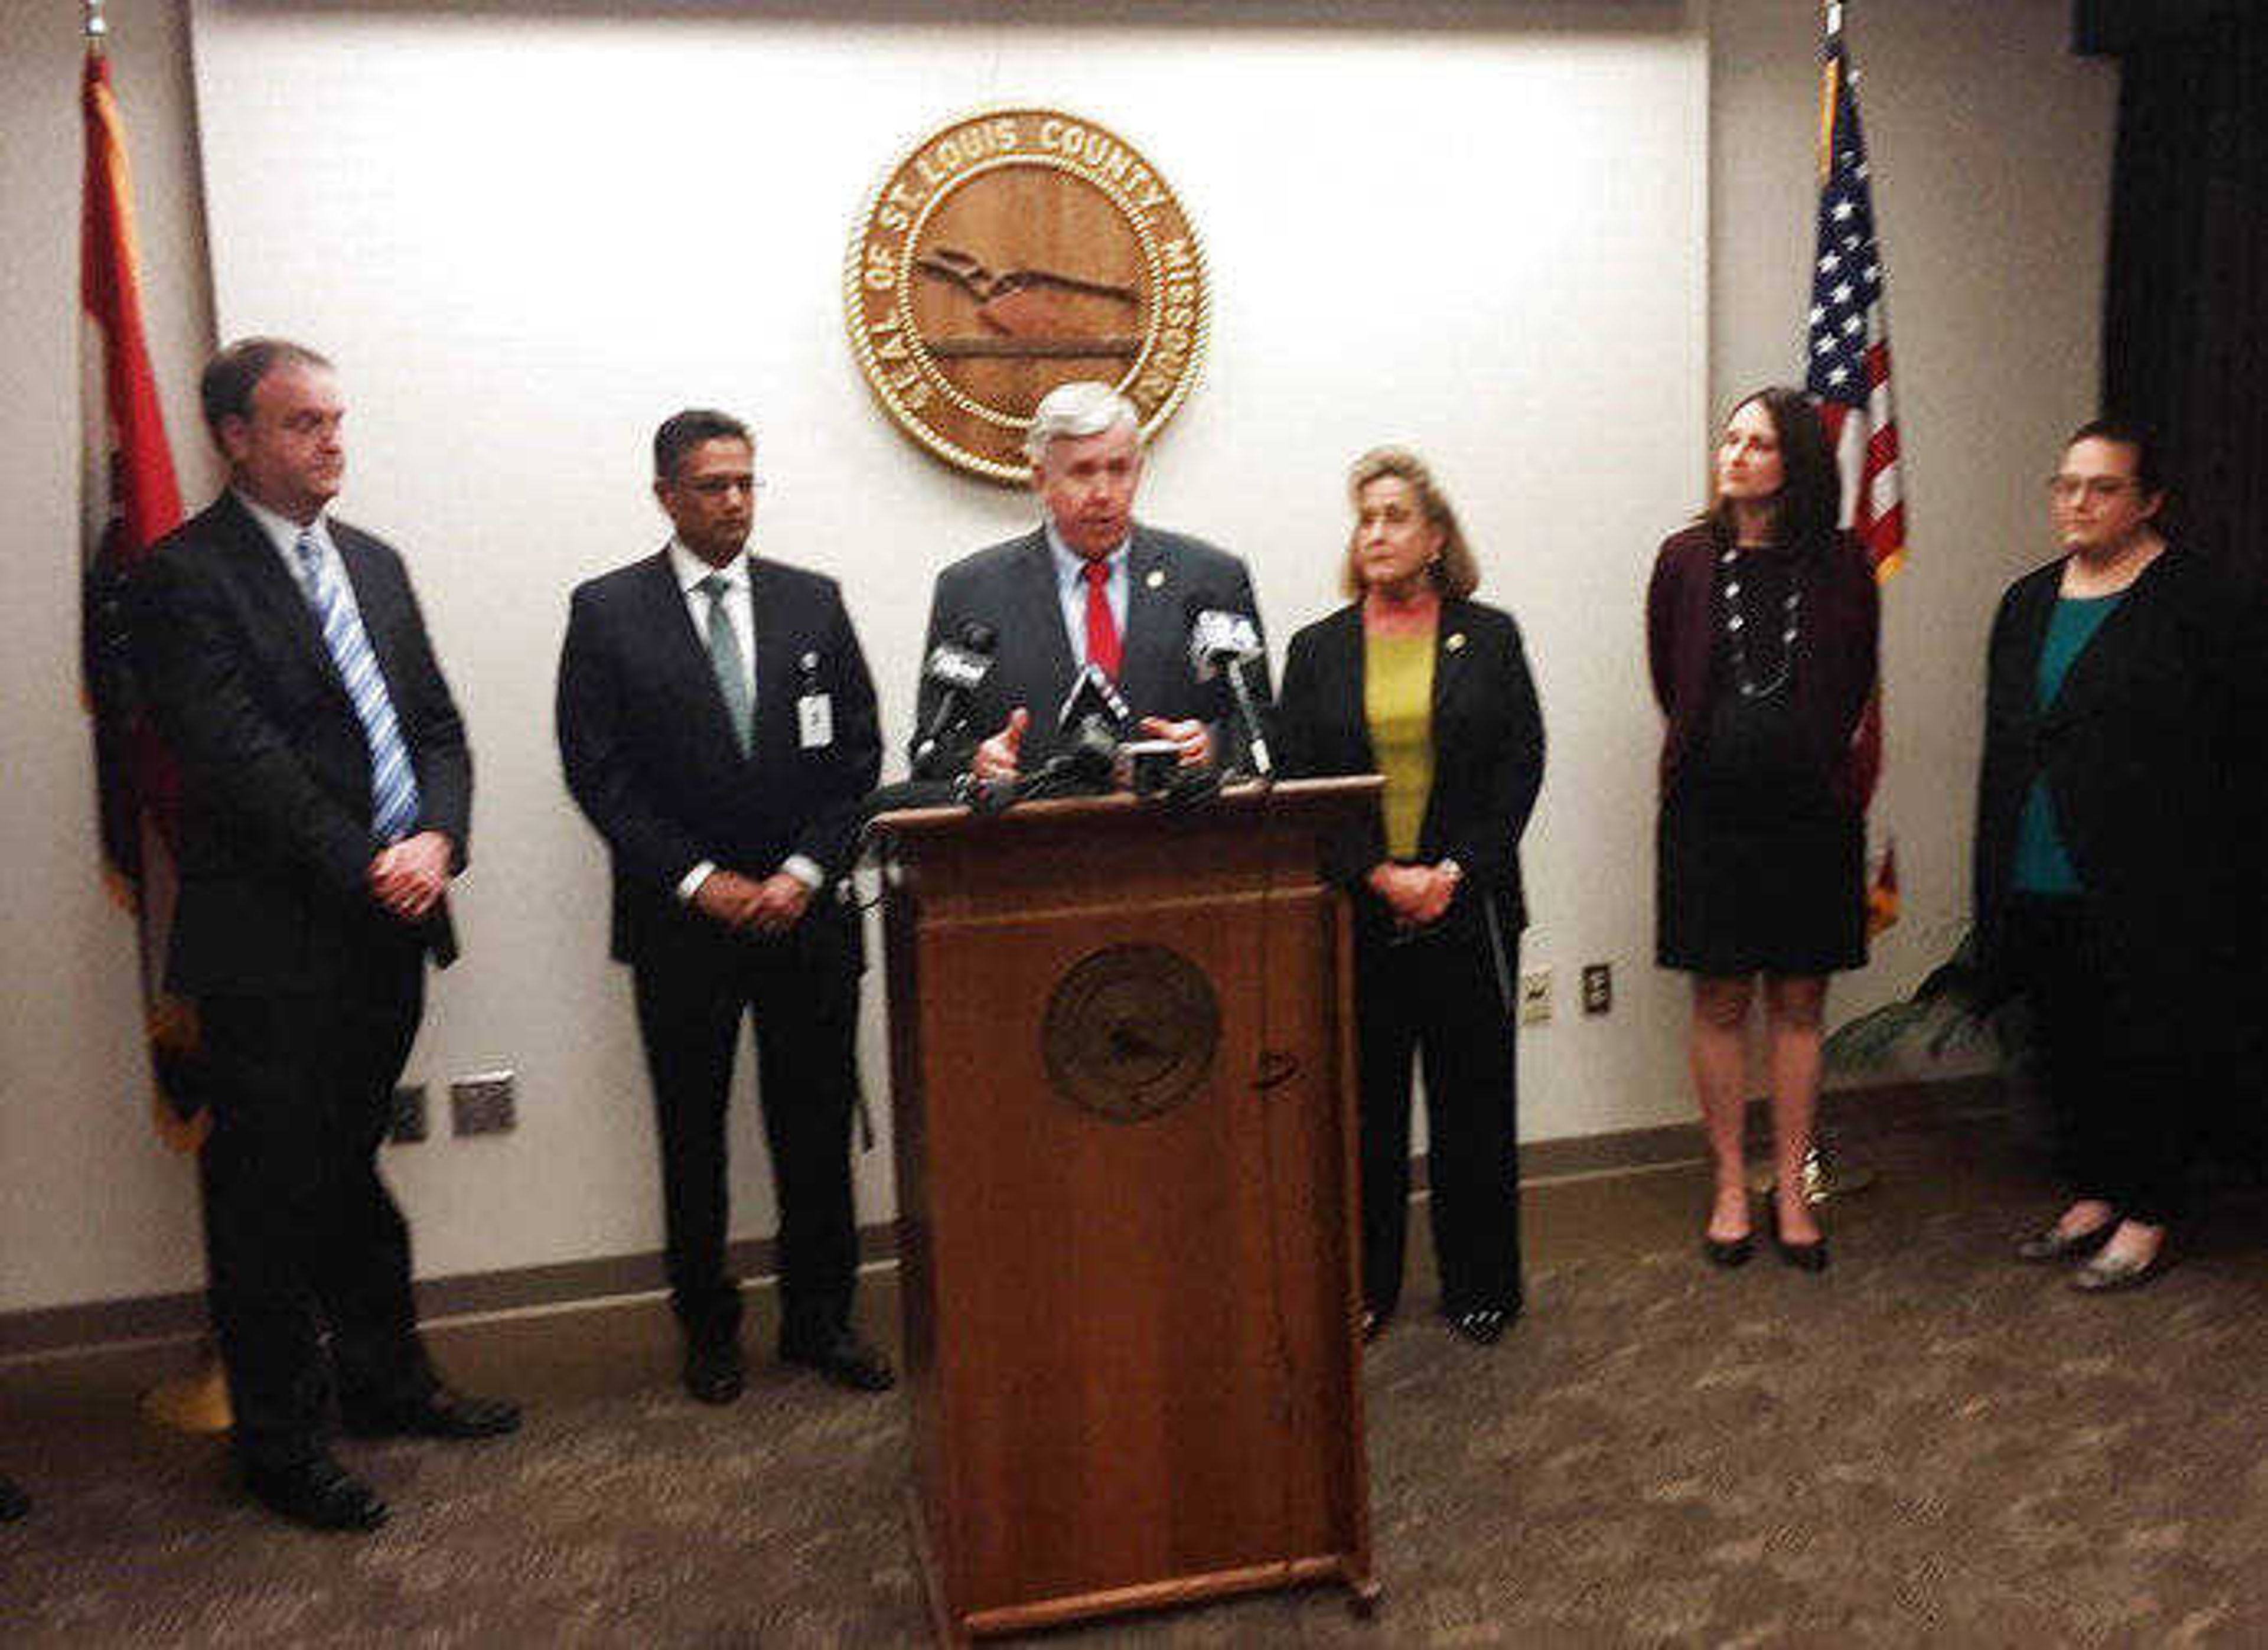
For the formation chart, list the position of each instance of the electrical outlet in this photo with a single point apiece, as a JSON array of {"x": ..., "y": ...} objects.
[
  {"x": 482, "y": 1103},
  {"x": 1534, "y": 997},
  {"x": 1598, "y": 987},
  {"x": 407, "y": 1126}
]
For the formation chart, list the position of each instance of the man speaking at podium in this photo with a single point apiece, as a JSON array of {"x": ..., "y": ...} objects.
[{"x": 1090, "y": 587}]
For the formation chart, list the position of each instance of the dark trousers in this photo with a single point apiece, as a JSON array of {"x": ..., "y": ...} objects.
[
  {"x": 307, "y": 1256},
  {"x": 690, "y": 1006},
  {"x": 2122, "y": 1101},
  {"x": 1440, "y": 996}
]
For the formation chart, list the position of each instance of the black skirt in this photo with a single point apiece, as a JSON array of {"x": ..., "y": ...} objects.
[{"x": 1737, "y": 893}]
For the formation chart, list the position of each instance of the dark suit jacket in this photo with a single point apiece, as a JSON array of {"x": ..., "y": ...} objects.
[
  {"x": 650, "y": 756},
  {"x": 2152, "y": 755},
  {"x": 1488, "y": 747},
  {"x": 1012, "y": 587},
  {"x": 1837, "y": 643},
  {"x": 275, "y": 828}
]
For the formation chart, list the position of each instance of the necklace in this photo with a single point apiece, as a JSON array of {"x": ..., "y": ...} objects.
[{"x": 1736, "y": 628}]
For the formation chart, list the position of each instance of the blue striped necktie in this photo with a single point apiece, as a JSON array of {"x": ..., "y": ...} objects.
[{"x": 393, "y": 783}]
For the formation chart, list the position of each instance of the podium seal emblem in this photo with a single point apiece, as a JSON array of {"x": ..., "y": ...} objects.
[
  {"x": 1130, "y": 1032},
  {"x": 1009, "y": 251}
]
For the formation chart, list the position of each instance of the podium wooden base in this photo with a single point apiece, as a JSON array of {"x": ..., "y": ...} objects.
[
  {"x": 1122, "y": 1078},
  {"x": 1363, "y": 1591}
]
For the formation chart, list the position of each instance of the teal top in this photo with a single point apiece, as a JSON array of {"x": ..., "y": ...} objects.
[{"x": 2044, "y": 864}]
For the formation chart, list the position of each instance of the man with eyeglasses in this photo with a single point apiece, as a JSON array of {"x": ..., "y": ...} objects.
[
  {"x": 718, "y": 727},
  {"x": 2117, "y": 822}
]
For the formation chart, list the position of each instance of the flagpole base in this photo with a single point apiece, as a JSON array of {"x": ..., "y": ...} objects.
[{"x": 196, "y": 1402}]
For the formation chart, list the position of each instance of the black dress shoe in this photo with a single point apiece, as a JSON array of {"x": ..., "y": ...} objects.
[
  {"x": 319, "y": 1493},
  {"x": 1374, "y": 1323},
  {"x": 843, "y": 1358},
  {"x": 715, "y": 1372},
  {"x": 443, "y": 1412},
  {"x": 13, "y": 1502}
]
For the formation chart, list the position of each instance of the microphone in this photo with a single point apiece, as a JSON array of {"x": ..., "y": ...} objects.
[
  {"x": 1092, "y": 694},
  {"x": 1222, "y": 642},
  {"x": 958, "y": 668}
]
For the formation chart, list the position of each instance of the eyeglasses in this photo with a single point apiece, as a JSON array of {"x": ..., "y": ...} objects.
[{"x": 2068, "y": 488}]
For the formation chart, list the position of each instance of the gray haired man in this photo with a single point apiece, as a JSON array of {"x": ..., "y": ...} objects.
[{"x": 1089, "y": 586}]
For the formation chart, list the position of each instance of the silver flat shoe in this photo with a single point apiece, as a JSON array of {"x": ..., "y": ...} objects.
[
  {"x": 2056, "y": 1245},
  {"x": 2108, "y": 1272}
]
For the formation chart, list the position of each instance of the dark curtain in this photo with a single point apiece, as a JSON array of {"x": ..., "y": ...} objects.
[{"x": 2185, "y": 307}]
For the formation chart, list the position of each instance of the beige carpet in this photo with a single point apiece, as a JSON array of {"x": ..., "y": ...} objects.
[{"x": 1930, "y": 1445}]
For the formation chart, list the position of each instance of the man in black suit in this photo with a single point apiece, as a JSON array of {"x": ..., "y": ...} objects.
[
  {"x": 1089, "y": 586},
  {"x": 327, "y": 801},
  {"x": 718, "y": 725}
]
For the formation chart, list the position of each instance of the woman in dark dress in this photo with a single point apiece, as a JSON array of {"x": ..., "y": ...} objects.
[
  {"x": 2117, "y": 835},
  {"x": 1762, "y": 625},
  {"x": 1416, "y": 680}
]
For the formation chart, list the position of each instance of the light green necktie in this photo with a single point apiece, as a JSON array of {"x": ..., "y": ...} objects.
[{"x": 726, "y": 659}]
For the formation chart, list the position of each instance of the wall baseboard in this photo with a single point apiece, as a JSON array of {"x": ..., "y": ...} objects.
[{"x": 1854, "y": 1114}]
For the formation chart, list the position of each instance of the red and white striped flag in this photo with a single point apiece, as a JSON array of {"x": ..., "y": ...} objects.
[{"x": 1847, "y": 367}]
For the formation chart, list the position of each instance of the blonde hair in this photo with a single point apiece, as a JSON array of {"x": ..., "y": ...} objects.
[{"x": 1453, "y": 572}]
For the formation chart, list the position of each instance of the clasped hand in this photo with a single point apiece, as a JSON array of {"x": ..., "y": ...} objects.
[
  {"x": 771, "y": 906},
  {"x": 1418, "y": 895},
  {"x": 409, "y": 877}
]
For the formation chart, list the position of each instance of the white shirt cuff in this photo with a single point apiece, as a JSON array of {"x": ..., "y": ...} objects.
[
  {"x": 690, "y": 884},
  {"x": 805, "y": 871}
]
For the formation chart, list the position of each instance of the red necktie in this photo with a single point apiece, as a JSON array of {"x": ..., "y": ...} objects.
[{"x": 1102, "y": 628}]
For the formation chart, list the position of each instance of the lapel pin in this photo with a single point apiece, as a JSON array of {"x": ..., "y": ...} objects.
[
  {"x": 1456, "y": 640},
  {"x": 1156, "y": 579}
]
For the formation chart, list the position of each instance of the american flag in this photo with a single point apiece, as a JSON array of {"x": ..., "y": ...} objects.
[
  {"x": 1847, "y": 367},
  {"x": 1848, "y": 351}
]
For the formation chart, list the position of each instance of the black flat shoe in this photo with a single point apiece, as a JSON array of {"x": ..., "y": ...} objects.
[
  {"x": 2055, "y": 1245},
  {"x": 1728, "y": 1252},
  {"x": 13, "y": 1502},
  {"x": 1373, "y": 1324},
  {"x": 320, "y": 1493}
]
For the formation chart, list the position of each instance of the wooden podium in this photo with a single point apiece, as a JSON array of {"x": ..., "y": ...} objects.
[{"x": 1123, "y": 1080}]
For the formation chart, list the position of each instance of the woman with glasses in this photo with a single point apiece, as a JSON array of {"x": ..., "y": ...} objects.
[
  {"x": 2117, "y": 814},
  {"x": 1416, "y": 680},
  {"x": 1761, "y": 628}
]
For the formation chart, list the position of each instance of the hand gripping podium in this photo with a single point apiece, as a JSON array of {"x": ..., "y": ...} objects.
[{"x": 1123, "y": 1066}]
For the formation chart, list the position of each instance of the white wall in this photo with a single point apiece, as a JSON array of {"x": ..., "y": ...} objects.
[{"x": 503, "y": 373}]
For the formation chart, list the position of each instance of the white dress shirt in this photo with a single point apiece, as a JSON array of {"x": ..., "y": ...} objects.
[{"x": 739, "y": 612}]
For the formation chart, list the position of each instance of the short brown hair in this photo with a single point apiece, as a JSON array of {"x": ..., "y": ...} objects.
[
  {"x": 1455, "y": 572},
  {"x": 225, "y": 389}
]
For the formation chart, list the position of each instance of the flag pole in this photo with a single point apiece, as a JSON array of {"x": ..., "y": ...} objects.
[
  {"x": 1826, "y": 1178},
  {"x": 197, "y": 1402}
]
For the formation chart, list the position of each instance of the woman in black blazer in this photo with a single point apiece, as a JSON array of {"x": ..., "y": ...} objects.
[
  {"x": 2117, "y": 831},
  {"x": 1415, "y": 680}
]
